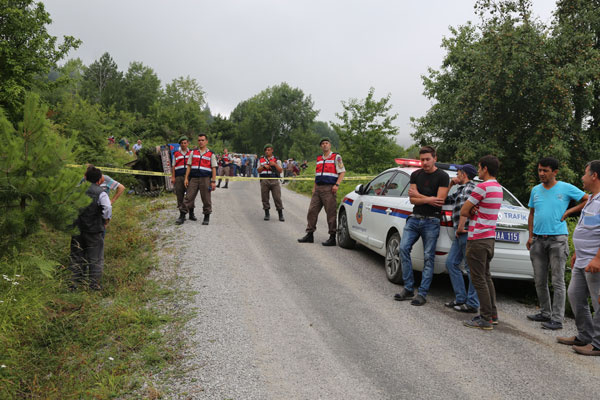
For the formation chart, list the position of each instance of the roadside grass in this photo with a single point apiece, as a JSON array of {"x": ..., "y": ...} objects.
[{"x": 58, "y": 344}]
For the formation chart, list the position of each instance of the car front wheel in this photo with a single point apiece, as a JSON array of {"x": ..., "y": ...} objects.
[
  {"x": 393, "y": 265},
  {"x": 343, "y": 234}
]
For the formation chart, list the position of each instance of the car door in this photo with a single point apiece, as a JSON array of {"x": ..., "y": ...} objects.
[
  {"x": 367, "y": 216},
  {"x": 389, "y": 208}
]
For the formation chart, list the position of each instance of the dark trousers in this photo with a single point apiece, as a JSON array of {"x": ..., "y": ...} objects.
[
  {"x": 180, "y": 191},
  {"x": 479, "y": 254},
  {"x": 196, "y": 185},
  {"x": 322, "y": 197},
  {"x": 87, "y": 256},
  {"x": 270, "y": 185}
]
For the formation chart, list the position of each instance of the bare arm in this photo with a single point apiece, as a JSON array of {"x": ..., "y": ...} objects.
[
  {"x": 530, "y": 227},
  {"x": 118, "y": 193},
  {"x": 417, "y": 198},
  {"x": 577, "y": 208},
  {"x": 335, "y": 187},
  {"x": 466, "y": 209},
  {"x": 187, "y": 174}
]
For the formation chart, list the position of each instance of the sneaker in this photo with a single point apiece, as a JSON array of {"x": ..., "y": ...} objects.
[
  {"x": 494, "y": 320},
  {"x": 418, "y": 300},
  {"x": 465, "y": 308},
  {"x": 403, "y": 295},
  {"x": 552, "y": 325},
  {"x": 570, "y": 341},
  {"x": 479, "y": 323},
  {"x": 538, "y": 318}
]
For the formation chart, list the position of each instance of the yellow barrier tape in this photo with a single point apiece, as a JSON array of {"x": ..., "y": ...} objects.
[{"x": 232, "y": 178}]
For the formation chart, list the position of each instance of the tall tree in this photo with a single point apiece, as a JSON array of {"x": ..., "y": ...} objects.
[
  {"x": 180, "y": 108},
  {"x": 366, "y": 133},
  {"x": 280, "y": 115},
  {"x": 27, "y": 51},
  {"x": 103, "y": 83},
  {"x": 500, "y": 90},
  {"x": 142, "y": 87}
]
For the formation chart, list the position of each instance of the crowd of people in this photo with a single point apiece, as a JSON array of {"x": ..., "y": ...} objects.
[{"x": 475, "y": 213}]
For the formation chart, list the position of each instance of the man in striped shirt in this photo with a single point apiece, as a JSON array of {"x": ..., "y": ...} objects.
[{"x": 482, "y": 207}]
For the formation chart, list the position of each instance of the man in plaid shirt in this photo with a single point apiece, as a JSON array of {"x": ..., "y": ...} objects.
[{"x": 465, "y": 301}]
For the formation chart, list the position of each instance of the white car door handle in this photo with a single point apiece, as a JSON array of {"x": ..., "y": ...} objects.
[{"x": 388, "y": 211}]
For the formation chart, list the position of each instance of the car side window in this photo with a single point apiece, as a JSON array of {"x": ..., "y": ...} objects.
[
  {"x": 398, "y": 186},
  {"x": 377, "y": 185}
]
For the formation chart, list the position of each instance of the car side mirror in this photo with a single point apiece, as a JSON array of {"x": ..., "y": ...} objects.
[{"x": 358, "y": 189}]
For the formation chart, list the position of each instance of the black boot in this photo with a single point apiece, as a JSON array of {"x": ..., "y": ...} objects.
[
  {"x": 281, "y": 215},
  {"x": 206, "y": 219},
  {"x": 308, "y": 238},
  {"x": 330, "y": 241},
  {"x": 219, "y": 183},
  {"x": 267, "y": 215},
  {"x": 181, "y": 218},
  {"x": 226, "y": 184},
  {"x": 192, "y": 216}
]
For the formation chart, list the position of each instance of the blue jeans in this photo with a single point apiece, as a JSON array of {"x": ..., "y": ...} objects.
[
  {"x": 455, "y": 257},
  {"x": 428, "y": 229}
]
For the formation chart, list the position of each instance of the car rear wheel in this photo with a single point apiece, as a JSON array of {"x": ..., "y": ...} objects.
[
  {"x": 343, "y": 234},
  {"x": 393, "y": 265}
]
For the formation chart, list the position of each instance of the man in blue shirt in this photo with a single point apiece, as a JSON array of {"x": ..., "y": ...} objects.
[{"x": 548, "y": 242}]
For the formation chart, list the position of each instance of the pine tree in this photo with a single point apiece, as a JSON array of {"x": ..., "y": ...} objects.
[{"x": 35, "y": 184}]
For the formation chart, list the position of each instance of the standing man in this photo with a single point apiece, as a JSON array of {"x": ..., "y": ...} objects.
[
  {"x": 487, "y": 196},
  {"x": 270, "y": 167},
  {"x": 329, "y": 173},
  {"x": 226, "y": 158},
  {"x": 548, "y": 242},
  {"x": 87, "y": 247},
  {"x": 464, "y": 301},
  {"x": 201, "y": 175},
  {"x": 585, "y": 265},
  {"x": 178, "y": 169},
  {"x": 428, "y": 191}
]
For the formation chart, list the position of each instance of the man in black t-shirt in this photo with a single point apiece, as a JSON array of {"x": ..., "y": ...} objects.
[{"x": 428, "y": 191}]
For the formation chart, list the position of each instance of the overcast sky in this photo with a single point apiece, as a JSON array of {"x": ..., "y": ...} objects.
[{"x": 333, "y": 50}]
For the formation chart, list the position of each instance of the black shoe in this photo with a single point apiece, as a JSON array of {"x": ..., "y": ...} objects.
[
  {"x": 453, "y": 303},
  {"x": 418, "y": 300},
  {"x": 465, "y": 308},
  {"x": 308, "y": 238},
  {"x": 404, "y": 295},
  {"x": 570, "y": 341},
  {"x": 206, "y": 219},
  {"x": 552, "y": 325},
  {"x": 225, "y": 187},
  {"x": 539, "y": 317},
  {"x": 181, "y": 218},
  {"x": 267, "y": 215},
  {"x": 281, "y": 215},
  {"x": 330, "y": 241},
  {"x": 192, "y": 217}
]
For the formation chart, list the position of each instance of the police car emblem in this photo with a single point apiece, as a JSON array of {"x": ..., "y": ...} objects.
[{"x": 359, "y": 213}]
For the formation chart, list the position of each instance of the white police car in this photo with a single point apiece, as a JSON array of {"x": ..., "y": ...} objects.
[{"x": 374, "y": 216}]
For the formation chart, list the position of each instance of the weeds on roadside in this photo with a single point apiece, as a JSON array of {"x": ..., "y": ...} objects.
[{"x": 60, "y": 344}]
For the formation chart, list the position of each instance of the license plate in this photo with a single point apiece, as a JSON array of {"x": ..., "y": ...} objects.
[{"x": 507, "y": 236}]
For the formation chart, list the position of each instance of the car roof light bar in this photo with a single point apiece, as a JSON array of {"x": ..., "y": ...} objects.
[{"x": 408, "y": 162}]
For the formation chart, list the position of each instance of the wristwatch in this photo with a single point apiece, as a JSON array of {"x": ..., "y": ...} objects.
[{"x": 336, "y": 184}]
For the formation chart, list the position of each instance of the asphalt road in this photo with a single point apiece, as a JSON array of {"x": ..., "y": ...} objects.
[{"x": 277, "y": 319}]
